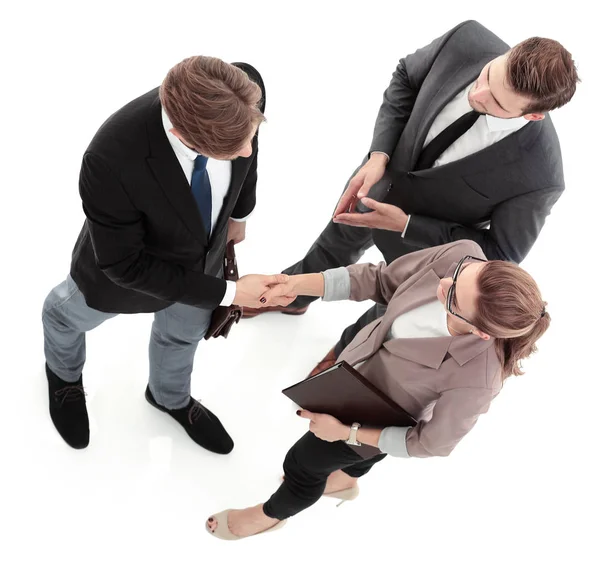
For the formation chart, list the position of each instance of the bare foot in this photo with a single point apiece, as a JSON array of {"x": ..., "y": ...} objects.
[
  {"x": 339, "y": 480},
  {"x": 245, "y": 522}
]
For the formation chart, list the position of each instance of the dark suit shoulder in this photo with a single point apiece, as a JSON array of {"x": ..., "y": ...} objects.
[
  {"x": 540, "y": 148},
  {"x": 471, "y": 40},
  {"x": 123, "y": 136},
  {"x": 254, "y": 76}
]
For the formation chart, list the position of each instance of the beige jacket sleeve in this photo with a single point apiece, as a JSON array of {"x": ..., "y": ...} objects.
[
  {"x": 454, "y": 415},
  {"x": 380, "y": 282}
]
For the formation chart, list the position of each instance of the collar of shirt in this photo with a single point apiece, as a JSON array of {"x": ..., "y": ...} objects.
[
  {"x": 494, "y": 124},
  {"x": 178, "y": 146}
]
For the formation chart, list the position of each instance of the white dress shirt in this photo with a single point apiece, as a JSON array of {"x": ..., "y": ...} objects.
[
  {"x": 486, "y": 131},
  {"x": 427, "y": 321},
  {"x": 219, "y": 173}
]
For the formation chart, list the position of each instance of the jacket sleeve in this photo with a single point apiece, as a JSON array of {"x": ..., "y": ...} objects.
[
  {"x": 117, "y": 232},
  {"x": 380, "y": 282},
  {"x": 454, "y": 415},
  {"x": 514, "y": 226},
  {"x": 399, "y": 98}
]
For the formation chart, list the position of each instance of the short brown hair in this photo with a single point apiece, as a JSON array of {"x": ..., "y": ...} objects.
[
  {"x": 510, "y": 308},
  {"x": 542, "y": 70},
  {"x": 212, "y": 104}
]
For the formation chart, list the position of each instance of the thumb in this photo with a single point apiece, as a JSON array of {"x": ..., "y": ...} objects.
[
  {"x": 364, "y": 190},
  {"x": 355, "y": 183},
  {"x": 276, "y": 279},
  {"x": 377, "y": 206},
  {"x": 305, "y": 414},
  {"x": 371, "y": 203}
]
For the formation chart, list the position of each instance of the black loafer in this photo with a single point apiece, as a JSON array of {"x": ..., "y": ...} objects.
[
  {"x": 202, "y": 426},
  {"x": 68, "y": 410}
]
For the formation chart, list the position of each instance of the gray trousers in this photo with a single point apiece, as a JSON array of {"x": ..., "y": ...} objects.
[{"x": 175, "y": 334}]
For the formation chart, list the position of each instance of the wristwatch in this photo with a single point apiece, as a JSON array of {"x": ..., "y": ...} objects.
[{"x": 353, "y": 432}]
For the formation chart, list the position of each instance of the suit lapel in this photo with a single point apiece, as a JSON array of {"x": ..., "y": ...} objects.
[
  {"x": 496, "y": 155},
  {"x": 419, "y": 292},
  {"x": 429, "y": 352},
  {"x": 167, "y": 171},
  {"x": 238, "y": 171},
  {"x": 433, "y": 98}
]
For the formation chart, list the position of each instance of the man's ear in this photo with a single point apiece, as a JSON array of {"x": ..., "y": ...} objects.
[{"x": 534, "y": 117}]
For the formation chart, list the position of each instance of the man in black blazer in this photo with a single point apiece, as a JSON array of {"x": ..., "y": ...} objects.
[
  {"x": 166, "y": 181},
  {"x": 462, "y": 148}
]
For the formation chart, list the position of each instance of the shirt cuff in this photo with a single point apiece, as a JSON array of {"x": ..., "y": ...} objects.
[
  {"x": 337, "y": 284},
  {"x": 406, "y": 226},
  {"x": 382, "y": 153},
  {"x": 241, "y": 219},
  {"x": 229, "y": 294},
  {"x": 392, "y": 441}
]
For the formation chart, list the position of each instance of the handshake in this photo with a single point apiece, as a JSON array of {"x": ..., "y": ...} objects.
[{"x": 257, "y": 291}]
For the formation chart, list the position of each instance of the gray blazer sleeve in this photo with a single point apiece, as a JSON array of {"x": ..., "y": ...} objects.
[
  {"x": 514, "y": 226},
  {"x": 400, "y": 96}
]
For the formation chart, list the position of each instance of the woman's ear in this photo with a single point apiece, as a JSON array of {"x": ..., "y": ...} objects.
[{"x": 481, "y": 334}]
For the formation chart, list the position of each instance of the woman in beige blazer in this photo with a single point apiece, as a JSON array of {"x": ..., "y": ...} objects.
[{"x": 456, "y": 326}]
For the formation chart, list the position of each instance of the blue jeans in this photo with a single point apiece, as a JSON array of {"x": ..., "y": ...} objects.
[{"x": 176, "y": 332}]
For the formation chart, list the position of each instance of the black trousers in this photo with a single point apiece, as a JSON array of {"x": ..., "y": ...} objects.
[{"x": 306, "y": 467}]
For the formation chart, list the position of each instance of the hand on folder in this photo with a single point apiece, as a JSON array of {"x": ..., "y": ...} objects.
[
  {"x": 325, "y": 427},
  {"x": 341, "y": 394}
]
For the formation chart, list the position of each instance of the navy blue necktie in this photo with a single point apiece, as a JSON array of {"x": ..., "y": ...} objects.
[{"x": 202, "y": 191}]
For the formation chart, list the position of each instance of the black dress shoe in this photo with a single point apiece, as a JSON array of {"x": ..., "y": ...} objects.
[
  {"x": 68, "y": 411},
  {"x": 203, "y": 427}
]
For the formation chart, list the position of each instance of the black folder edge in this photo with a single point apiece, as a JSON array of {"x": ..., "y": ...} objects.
[{"x": 356, "y": 374}]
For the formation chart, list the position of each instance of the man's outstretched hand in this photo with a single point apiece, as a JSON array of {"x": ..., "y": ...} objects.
[{"x": 251, "y": 291}]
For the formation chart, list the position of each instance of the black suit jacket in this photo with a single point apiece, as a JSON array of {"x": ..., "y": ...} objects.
[
  {"x": 500, "y": 196},
  {"x": 143, "y": 246}
]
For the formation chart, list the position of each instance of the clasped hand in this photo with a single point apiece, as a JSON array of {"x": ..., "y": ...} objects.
[
  {"x": 382, "y": 216},
  {"x": 257, "y": 291}
]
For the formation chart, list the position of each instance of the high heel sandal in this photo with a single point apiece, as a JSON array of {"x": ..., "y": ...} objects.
[
  {"x": 222, "y": 531},
  {"x": 344, "y": 495}
]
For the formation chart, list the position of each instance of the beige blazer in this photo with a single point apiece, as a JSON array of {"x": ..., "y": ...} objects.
[{"x": 445, "y": 383}]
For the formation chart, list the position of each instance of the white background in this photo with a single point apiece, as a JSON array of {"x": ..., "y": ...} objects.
[{"x": 520, "y": 489}]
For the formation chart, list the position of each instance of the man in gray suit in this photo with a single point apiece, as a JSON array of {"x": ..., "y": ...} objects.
[{"x": 462, "y": 149}]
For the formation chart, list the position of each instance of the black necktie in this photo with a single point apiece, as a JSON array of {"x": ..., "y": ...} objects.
[
  {"x": 202, "y": 192},
  {"x": 445, "y": 139}
]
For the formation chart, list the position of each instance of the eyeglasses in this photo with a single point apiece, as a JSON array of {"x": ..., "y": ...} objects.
[{"x": 452, "y": 290}]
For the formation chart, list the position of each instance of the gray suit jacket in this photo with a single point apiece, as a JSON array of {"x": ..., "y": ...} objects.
[
  {"x": 445, "y": 383},
  {"x": 498, "y": 197}
]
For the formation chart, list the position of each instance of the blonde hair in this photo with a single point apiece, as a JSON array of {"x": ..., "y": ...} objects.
[{"x": 510, "y": 308}]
